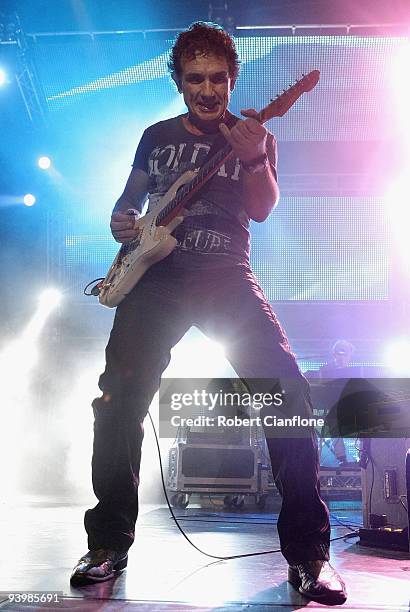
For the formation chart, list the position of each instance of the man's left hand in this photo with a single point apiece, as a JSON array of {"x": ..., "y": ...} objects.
[{"x": 248, "y": 137}]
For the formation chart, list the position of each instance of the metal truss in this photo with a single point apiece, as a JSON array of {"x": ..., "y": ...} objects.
[
  {"x": 302, "y": 29},
  {"x": 337, "y": 480},
  {"x": 29, "y": 89},
  {"x": 26, "y": 77}
]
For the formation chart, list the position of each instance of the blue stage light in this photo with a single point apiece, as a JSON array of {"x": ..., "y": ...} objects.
[
  {"x": 29, "y": 199},
  {"x": 3, "y": 77},
  {"x": 44, "y": 162}
]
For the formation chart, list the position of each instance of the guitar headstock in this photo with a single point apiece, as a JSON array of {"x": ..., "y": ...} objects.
[{"x": 280, "y": 105}]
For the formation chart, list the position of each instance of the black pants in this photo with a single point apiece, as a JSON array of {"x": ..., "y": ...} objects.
[{"x": 229, "y": 306}]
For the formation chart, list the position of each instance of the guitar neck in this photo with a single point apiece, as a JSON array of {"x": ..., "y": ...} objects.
[
  {"x": 276, "y": 108},
  {"x": 185, "y": 193}
]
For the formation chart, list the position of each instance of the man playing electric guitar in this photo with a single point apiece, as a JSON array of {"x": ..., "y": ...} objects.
[{"x": 205, "y": 281}]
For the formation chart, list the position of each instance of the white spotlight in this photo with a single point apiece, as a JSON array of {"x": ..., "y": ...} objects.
[
  {"x": 50, "y": 298},
  {"x": 29, "y": 199},
  {"x": 198, "y": 356},
  {"x": 3, "y": 77},
  {"x": 44, "y": 162},
  {"x": 397, "y": 357}
]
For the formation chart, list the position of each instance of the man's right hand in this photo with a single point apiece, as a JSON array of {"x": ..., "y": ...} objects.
[{"x": 124, "y": 225}]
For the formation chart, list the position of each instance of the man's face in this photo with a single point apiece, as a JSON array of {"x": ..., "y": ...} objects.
[{"x": 206, "y": 86}]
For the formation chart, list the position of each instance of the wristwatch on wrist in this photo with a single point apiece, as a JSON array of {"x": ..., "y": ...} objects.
[{"x": 256, "y": 165}]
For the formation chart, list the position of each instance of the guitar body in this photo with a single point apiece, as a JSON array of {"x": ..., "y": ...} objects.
[
  {"x": 153, "y": 243},
  {"x": 154, "y": 240}
]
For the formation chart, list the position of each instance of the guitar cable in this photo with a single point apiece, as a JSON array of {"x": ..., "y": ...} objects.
[
  {"x": 352, "y": 533},
  {"x": 96, "y": 289}
]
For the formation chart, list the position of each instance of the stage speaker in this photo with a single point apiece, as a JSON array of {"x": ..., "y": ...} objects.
[
  {"x": 212, "y": 468},
  {"x": 386, "y": 482}
]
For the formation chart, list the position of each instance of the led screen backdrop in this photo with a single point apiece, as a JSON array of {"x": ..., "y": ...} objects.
[
  {"x": 347, "y": 104},
  {"x": 311, "y": 249},
  {"x": 104, "y": 92}
]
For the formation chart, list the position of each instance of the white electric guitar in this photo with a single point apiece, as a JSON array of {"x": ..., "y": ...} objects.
[{"x": 154, "y": 240}]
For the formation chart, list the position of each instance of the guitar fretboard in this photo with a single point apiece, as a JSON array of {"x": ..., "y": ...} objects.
[
  {"x": 203, "y": 174},
  {"x": 277, "y": 108}
]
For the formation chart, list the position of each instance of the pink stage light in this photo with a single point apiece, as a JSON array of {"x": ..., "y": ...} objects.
[
  {"x": 400, "y": 90},
  {"x": 397, "y": 208},
  {"x": 398, "y": 196},
  {"x": 397, "y": 357}
]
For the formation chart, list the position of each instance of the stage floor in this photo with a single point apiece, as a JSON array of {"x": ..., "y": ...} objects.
[{"x": 41, "y": 542}]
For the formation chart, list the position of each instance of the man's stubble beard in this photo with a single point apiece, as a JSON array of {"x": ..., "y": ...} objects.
[{"x": 210, "y": 126}]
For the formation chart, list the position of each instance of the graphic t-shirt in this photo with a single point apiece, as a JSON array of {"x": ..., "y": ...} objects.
[{"x": 216, "y": 228}]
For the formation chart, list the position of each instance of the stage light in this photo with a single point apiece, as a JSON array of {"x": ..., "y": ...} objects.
[
  {"x": 397, "y": 357},
  {"x": 399, "y": 217},
  {"x": 29, "y": 199},
  {"x": 44, "y": 162},
  {"x": 198, "y": 356},
  {"x": 3, "y": 77},
  {"x": 21, "y": 353},
  {"x": 18, "y": 361},
  {"x": 49, "y": 299},
  {"x": 401, "y": 88}
]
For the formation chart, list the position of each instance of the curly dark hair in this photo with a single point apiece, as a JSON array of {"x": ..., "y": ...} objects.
[{"x": 205, "y": 38}]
